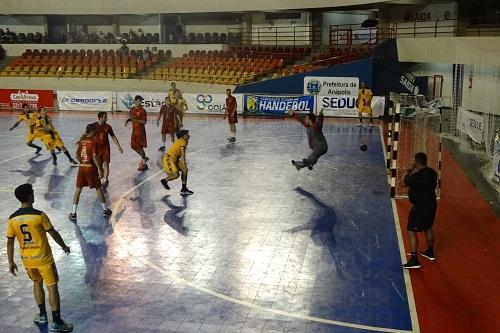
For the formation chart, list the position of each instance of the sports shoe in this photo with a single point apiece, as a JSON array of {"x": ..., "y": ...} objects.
[
  {"x": 105, "y": 183},
  {"x": 233, "y": 139},
  {"x": 186, "y": 191},
  {"x": 107, "y": 212},
  {"x": 165, "y": 184},
  {"x": 38, "y": 150},
  {"x": 72, "y": 217},
  {"x": 73, "y": 162},
  {"x": 146, "y": 159},
  {"x": 360, "y": 125},
  {"x": 63, "y": 327},
  {"x": 429, "y": 254},
  {"x": 41, "y": 319},
  {"x": 142, "y": 167},
  {"x": 309, "y": 166},
  {"x": 412, "y": 263},
  {"x": 161, "y": 148},
  {"x": 371, "y": 125}
]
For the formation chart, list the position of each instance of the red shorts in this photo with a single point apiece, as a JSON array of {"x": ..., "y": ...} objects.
[
  {"x": 88, "y": 177},
  {"x": 104, "y": 154},
  {"x": 168, "y": 128},
  {"x": 232, "y": 119},
  {"x": 138, "y": 140}
]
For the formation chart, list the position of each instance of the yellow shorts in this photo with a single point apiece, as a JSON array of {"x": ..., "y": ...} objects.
[
  {"x": 58, "y": 142},
  {"x": 47, "y": 140},
  {"x": 30, "y": 137},
  {"x": 170, "y": 166},
  {"x": 365, "y": 109},
  {"x": 46, "y": 274}
]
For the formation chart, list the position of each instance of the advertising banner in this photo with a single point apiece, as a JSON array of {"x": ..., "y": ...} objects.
[
  {"x": 278, "y": 105},
  {"x": 210, "y": 103},
  {"x": 344, "y": 106},
  {"x": 331, "y": 86},
  {"x": 152, "y": 100},
  {"x": 471, "y": 124},
  {"x": 85, "y": 100},
  {"x": 495, "y": 171},
  {"x": 15, "y": 98}
]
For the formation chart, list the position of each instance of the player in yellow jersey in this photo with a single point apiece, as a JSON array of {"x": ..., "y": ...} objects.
[
  {"x": 175, "y": 160},
  {"x": 30, "y": 227},
  {"x": 27, "y": 117},
  {"x": 58, "y": 143},
  {"x": 365, "y": 95},
  {"x": 181, "y": 106}
]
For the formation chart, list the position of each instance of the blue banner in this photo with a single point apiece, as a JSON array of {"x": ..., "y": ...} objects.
[{"x": 278, "y": 105}]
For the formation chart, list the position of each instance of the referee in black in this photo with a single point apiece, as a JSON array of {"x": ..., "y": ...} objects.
[{"x": 422, "y": 182}]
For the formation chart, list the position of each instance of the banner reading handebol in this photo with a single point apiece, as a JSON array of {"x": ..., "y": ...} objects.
[
  {"x": 211, "y": 103},
  {"x": 15, "y": 98},
  {"x": 152, "y": 100},
  {"x": 278, "y": 105},
  {"x": 85, "y": 100},
  {"x": 346, "y": 106}
]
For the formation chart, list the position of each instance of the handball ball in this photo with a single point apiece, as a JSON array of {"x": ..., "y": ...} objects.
[{"x": 363, "y": 147}]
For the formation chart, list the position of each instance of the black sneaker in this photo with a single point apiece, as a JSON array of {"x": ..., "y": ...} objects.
[
  {"x": 161, "y": 148},
  {"x": 72, "y": 217},
  {"x": 73, "y": 163},
  {"x": 38, "y": 150},
  {"x": 429, "y": 254},
  {"x": 165, "y": 184},
  {"x": 309, "y": 166},
  {"x": 295, "y": 165},
  {"x": 412, "y": 263},
  {"x": 186, "y": 191},
  {"x": 107, "y": 212}
]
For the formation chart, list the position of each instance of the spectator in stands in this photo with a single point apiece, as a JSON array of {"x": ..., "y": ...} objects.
[
  {"x": 146, "y": 54},
  {"x": 101, "y": 35},
  {"x": 2, "y": 52},
  {"x": 45, "y": 38},
  {"x": 124, "y": 49}
]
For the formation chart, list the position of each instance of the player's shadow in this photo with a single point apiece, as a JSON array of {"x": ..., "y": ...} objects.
[
  {"x": 174, "y": 216},
  {"x": 36, "y": 169},
  {"x": 230, "y": 149},
  {"x": 43, "y": 328},
  {"x": 56, "y": 188},
  {"x": 145, "y": 203},
  {"x": 322, "y": 225},
  {"x": 94, "y": 249}
]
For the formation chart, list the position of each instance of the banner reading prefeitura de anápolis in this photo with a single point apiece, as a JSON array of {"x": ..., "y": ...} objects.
[{"x": 278, "y": 105}]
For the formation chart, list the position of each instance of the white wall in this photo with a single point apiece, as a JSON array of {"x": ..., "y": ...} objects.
[
  {"x": 102, "y": 7},
  {"x": 94, "y": 23},
  {"x": 148, "y": 23},
  {"x": 446, "y": 70},
  {"x": 266, "y": 32},
  {"x": 23, "y": 23},
  {"x": 177, "y": 49},
  {"x": 332, "y": 18},
  {"x": 483, "y": 93}
]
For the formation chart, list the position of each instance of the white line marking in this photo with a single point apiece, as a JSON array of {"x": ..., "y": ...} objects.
[
  {"x": 225, "y": 297},
  {"x": 17, "y": 156},
  {"x": 409, "y": 290}
]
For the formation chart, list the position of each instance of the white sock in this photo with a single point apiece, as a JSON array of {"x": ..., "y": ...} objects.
[
  {"x": 74, "y": 209},
  {"x": 103, "y": 205}
]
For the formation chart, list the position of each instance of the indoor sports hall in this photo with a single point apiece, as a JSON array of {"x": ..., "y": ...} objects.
[{"x": 259, "y": 245}]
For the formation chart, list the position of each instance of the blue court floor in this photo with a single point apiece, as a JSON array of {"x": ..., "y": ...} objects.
[{"x": 259, "y": 247}]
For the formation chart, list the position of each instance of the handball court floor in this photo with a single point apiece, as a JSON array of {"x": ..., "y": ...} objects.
[{"x": 259, "y": 247}]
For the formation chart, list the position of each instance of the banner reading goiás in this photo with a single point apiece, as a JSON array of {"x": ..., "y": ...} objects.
[
  {"x": 278, "y": 105},
  {"x": 15, "y": 98},
  {"x": 210, "y": 103}
]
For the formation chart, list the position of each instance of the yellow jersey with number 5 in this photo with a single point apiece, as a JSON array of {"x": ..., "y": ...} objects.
[{"x": 30, "y": 227}]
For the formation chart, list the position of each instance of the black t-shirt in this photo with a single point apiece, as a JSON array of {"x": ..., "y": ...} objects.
[{"x": 422, "y": 186}]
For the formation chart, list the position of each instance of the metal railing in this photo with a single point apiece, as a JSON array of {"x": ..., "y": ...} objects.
[{"x": 305, "y": 35}]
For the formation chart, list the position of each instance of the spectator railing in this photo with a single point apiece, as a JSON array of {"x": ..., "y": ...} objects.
[{"x": 308, "y": 35}]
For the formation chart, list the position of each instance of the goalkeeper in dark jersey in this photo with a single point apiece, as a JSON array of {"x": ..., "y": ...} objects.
[{"x": 317, "y": 141}]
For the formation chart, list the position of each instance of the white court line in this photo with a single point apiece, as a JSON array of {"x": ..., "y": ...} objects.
[
  {"x": 409, "y": 290},
  {"x": 250, "y": 305},
  {"x": 17, "y": 156}
]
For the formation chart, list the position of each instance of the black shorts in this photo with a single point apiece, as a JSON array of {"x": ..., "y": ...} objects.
[{"x": 421, "y": 217}]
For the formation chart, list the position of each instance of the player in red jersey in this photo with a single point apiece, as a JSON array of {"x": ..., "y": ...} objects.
[
  {"x": 171, "y": 121},
  {"x": 138, "y": 117},
  {"x": 89, "y": 171},
  {"x": 232, "y": 117},
  {"x": 103, "y": 130}
]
